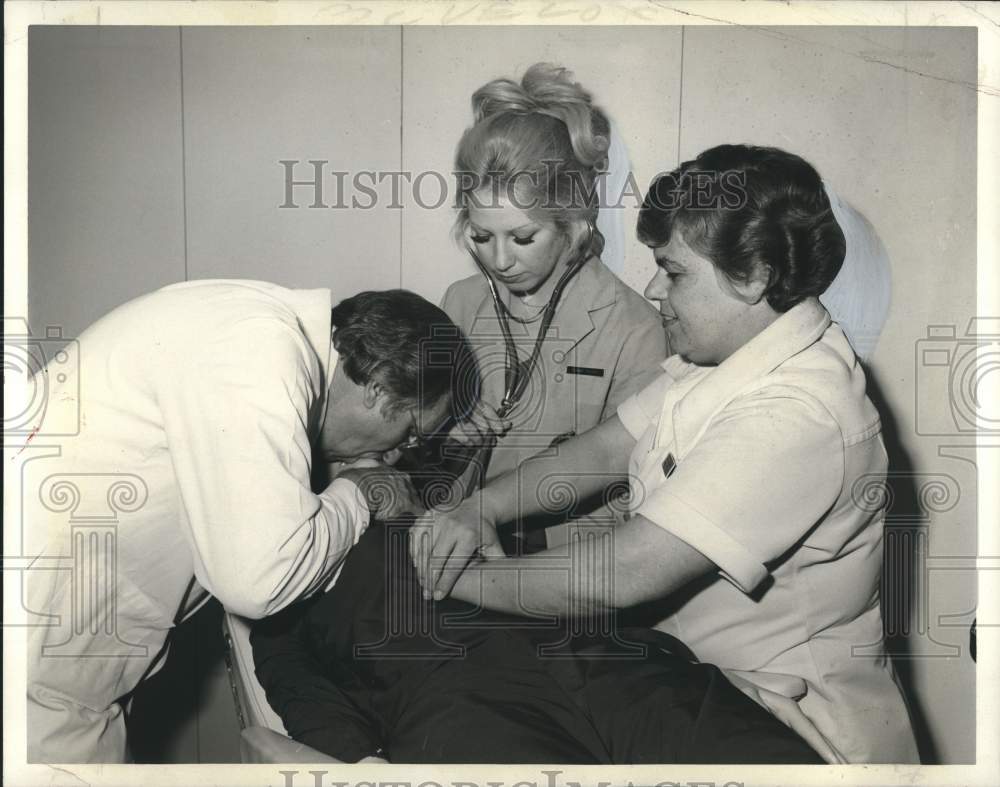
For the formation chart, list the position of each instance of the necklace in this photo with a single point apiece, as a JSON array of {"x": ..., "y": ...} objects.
[{"x": 524, "y": 320}]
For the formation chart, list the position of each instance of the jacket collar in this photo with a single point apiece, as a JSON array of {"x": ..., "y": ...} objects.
[
  {"x": 795, "y": 330},
  {"x": 313, "y": 307},
  {"x": 592, "y": 289}
]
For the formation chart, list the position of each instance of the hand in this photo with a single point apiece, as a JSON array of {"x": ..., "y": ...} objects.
[
  {"x": 480, "y": 423},
  {"x": 388, "y": 493},
  {"x": 443, "y": 543}
]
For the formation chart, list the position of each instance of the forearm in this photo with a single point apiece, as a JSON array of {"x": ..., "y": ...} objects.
[
  {"x": 626, "y": 565},
  {"x": 444, "y": 544},
  {"x": 547, "y": 583},
  {"x": 306, "y": 559},
  {"x": 589, "y": 463}
]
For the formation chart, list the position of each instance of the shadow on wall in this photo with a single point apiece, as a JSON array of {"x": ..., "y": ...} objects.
[
  {"x": 178, "y": 715},
  {"x": 858, "y": 300},
  {"x": 905, "y": 547}
]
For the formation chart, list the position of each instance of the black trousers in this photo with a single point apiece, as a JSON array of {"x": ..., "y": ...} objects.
[{"x": 372, "y": 666}]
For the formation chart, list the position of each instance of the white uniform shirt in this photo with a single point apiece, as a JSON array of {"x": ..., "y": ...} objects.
[
  {"x": 762, "y": 464},
  {"x": 196, "y": 405}
]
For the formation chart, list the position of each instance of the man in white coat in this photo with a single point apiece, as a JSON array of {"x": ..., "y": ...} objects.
[{"x": 198, "y": 410}]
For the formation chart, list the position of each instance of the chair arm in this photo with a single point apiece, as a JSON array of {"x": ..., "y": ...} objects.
[{"x": 261, "y": 745}]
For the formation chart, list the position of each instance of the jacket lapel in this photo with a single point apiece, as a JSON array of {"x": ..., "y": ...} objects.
[{"x": 591, "y": 290}]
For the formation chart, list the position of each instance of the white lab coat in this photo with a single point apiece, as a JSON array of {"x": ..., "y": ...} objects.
[{"x": 189, "y": 475}]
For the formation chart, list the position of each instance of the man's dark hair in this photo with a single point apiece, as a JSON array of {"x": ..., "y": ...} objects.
[{"x": 409, "y": 346}]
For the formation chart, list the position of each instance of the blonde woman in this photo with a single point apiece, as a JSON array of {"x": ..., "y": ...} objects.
[{"x": 528, "y": 174}]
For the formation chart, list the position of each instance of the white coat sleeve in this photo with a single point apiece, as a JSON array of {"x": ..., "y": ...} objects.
[{"x": 236, "y": 422}]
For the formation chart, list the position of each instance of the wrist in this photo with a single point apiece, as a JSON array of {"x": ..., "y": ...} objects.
[
  {"x": 487, "y": 505},
  {"x": 346, "y": 489},
  {"x": 467, "y": 586}
]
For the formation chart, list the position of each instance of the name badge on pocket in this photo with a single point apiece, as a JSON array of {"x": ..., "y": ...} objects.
[
  {"x": 669, "y": 465},
  {"x": 586, "y": 371}
]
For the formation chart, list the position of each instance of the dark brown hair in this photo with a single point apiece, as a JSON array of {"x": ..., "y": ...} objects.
[{"x": 749, "y": 208}]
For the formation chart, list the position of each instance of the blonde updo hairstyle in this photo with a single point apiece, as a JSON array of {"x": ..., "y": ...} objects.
[{"x": 541, "y": 144}]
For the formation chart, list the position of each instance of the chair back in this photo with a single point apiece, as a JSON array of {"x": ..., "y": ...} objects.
[{"x": 252, "y": 707}]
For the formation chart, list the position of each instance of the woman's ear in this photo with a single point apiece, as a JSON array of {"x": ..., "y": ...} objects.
[{"x": 753, "y": 289}]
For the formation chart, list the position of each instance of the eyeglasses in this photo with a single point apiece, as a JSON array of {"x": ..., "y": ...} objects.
[{"x": 416, "y": 439}]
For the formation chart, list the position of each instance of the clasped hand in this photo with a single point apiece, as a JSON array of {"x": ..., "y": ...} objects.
[
  {"x": 387, "y": 492},
  {"x": 444, "y": 543}
]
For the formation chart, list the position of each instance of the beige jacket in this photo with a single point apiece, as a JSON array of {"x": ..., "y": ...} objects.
[{"x": 606, "y": 342}]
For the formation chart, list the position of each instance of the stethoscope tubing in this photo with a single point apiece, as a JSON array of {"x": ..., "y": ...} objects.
[{"x": 517, "y": 377}]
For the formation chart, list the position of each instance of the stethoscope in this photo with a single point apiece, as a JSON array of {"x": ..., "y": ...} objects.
[{"x": 517, "y": 375}]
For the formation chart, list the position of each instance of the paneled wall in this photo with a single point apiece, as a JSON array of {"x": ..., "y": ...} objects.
[
  {"x": 441, "y": 69},
  {"x": 155, "y": 155},
  {"x": 254, "y": 97},
  {"x": 105, "y": 170},
  {"x": 888, "y": 117}
]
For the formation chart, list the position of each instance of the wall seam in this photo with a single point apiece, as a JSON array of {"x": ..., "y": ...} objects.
[
  {"x": 184, "y": 231},
  {"x": 680, "y": 99},
  {"x": 184, "y": 225},
  {"x": 401, "y": 87}
]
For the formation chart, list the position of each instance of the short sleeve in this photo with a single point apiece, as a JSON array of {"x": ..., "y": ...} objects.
[
  {"x": 643, "y": 408},
  {"x": 765, "y": 471}
]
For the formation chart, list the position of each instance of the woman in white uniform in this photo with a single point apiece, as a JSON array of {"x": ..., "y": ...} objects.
[
  {"x": 751, "y": 462},
  {"x": 528, "y": 170}
]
